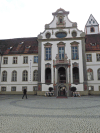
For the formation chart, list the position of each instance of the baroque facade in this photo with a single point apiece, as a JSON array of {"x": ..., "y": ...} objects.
[{"x": 61, "y": 56}]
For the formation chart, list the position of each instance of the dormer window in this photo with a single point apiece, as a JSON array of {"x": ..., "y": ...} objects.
[{"x": 92, "y": 29}]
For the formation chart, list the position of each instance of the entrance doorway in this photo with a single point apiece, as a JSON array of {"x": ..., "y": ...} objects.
[
  {"x": 61, "y": 75},
  {"x": 61, "y": 91}
]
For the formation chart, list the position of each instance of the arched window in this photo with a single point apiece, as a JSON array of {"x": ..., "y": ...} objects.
[
  {"x": 25, "y": 75},
  {"x": 75, "y": 75},
  {"x": 92, "y": 29},
  {"x": 4, "y": 76},
  {"x": 89, "y": 74},
  {"x": 98, "y": 72},
  {"x": 48, "y": 75},
  {"x": 35, "y": 75},
  {"x": 14, "y": 76}
]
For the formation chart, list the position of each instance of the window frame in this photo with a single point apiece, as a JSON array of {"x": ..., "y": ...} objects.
[
  {"x": 25, "y": 61},
  {"x": 4, "y": 87},
  {"x": 5, "y": 60},
  {"x": 92, "y": 75},
  {"x": 35, "y": 89},
  {"x": 86, "y": 58},
  {"x": 3, "y": 76},
  {"x": 35, "y": 78},
  {"x": 36, "y": 59},
  {"x": 77, "y": 53},
  {"x": 26, "y": 76},
  {"x": 47, "y": 53},
  {"x": 14, "y": 76},
  {"x": 15, "y": 61},
  {"x": 96, "y": 57},
  {"x": 12, "y": 89}
]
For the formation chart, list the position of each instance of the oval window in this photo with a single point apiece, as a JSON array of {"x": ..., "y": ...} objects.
[
  {"x": 61, "y": 34},
  {"x": 74, "y": 34},
  {"x": 48, "y": 35}
]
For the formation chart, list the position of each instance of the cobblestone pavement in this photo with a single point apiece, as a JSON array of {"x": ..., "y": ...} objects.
[{"x": 39, "y": 114}]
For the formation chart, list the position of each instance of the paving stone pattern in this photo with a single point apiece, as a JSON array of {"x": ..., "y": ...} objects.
[{"x": 39, "y": 114}]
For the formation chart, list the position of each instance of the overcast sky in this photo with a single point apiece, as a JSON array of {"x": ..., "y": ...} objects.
[{"x": 27, "y": 18}]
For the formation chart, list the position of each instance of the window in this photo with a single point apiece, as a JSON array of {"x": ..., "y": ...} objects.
[
  {"x": 61, "y": 53},
  {"x": 13, "y": 88},
  {"x": 92, "y": 29},
  {"x": 89, "y": 57},
  {"x": 23, "y": 87},
  {"x": 74, "y": 34},
  {"x": 3, "y": 88},
  {"x": 14, "y": 60},
  {"x": 35, "y": 88},
  {"x": 5, "y": 60},
  {"x": 48, "y": 35},
  {"x": 35, "y": 75},
  {"x": 91, "y": 88},
  {"x": 98, "y": 57},
  {"x": 60, "y": 19},
  {"x": 48, "y": 53},
  {"x": 74, "y": 53},
  {"x": 89, "y": 74},
  {"x": 25, "y": 75},
  {"x": 4, "y": 76},
  {"x": 14, "y": 76},
  {"x": 98, "y": 73},
  {"x": 99, "y": 88},
  {"x": 35, "y": 59},
  {"x": 25, "y": 59}
]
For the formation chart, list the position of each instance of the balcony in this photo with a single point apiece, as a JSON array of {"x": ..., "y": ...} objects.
[{"x": 58, "y": 61}]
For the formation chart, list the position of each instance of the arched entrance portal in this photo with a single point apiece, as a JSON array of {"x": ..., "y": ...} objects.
[
  {"x": 62, "y": 90},
  {"x": 61, "y": 75}
]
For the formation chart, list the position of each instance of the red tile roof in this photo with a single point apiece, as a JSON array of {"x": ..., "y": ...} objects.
[
  {"x": 19, "y": 46},
  {"x": 92, "y": 39}
]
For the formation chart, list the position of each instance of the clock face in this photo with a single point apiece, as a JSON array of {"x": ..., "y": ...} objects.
[{"x": 48, "y": 35}]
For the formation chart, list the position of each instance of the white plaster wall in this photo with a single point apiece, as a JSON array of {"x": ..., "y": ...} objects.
[
  {"x": 79, "y": 87},
  {"x": 96, "y": 30},
  {"x": 54, "y": 52},
  {"x": 55, "y": 20},
  {"x": 54, "y": 31},
  {"x": 20, "y": 67},
  {"x": 94, "y": 65}
]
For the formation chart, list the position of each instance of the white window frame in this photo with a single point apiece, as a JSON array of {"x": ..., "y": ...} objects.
[
  {"x": 89, "y": 57},
  {"x": 15, "y": 60},
  {"x": 5, "y": 60},
  {"x": 14, "y": 76},
  {"x": 36, "y": 58},
  {"x": 25, "y": 60}
]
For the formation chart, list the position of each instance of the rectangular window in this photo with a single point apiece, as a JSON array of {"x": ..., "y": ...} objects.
[
  {"x": 98, "y": 57},
  {"x": 3, "y": 88},
  {"x": 91, "y": 88},
  {"x": 13, "y": 88},
  {"x": 48, "y": 53},
  {"x": 5, "y": 60},
  {"x": 75, "y": 53},
  {"x": 35, "y": 59},
  {"x": 35, "y": 88},
  {"x": 14, "y": 60},
  {"x": 89, "y": 58},
  {"x": 25, "y": 60},
  {"x": 61, "y": 53}
]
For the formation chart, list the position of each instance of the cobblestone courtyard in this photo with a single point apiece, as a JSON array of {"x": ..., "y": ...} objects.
[{"x": 39, "y": 114}]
